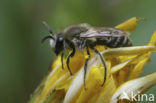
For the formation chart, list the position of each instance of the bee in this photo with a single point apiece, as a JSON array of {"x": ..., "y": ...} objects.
[{"x": 86, "y": 37}]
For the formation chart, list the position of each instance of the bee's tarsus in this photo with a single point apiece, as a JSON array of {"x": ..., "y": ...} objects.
[
  {"x": 104, "y": 64},
  {"x": 68, "y": 61},
  {"x": 85, "y": 88},
  {"x": 70, "y": 72},
  {"x": 102, "y": 84}
]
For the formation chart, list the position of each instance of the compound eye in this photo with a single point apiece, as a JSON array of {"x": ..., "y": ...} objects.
[{"x": 60, "y": 38}]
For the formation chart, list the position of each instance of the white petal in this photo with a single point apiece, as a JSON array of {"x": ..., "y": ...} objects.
[{"x": 136, "y": 86}]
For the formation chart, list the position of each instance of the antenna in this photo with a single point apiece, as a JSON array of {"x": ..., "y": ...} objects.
[
  {"x": 51, "y": 36},
  {"x": 47, "y": 27},
  {"x": 47, "y": 37}
]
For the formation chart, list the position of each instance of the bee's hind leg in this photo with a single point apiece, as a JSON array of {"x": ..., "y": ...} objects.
[
  {"x": 103, "y": 62},
  {"x": 85, "y": 67},
  {"x": 68, "y": 60}
]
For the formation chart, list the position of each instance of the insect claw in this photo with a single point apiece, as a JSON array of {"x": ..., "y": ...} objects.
[
  {"x": 71, "y": 73},
  {"x": 69, "y": 67},
  {"x": 85, "y": 88},
  {"x": 104, "y": 81},
  {"x": 102, "y": 84}
]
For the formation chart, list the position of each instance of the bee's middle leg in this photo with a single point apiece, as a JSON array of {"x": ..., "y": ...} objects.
[{"x": 68, "y": 60}]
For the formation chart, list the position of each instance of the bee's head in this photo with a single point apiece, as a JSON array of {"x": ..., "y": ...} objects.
[
  {"x": 56, "y": 41},
  {"x": 58, "y": 45}
]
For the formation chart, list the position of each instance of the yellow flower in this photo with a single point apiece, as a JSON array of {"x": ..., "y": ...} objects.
[{"x": 124, "y": 65}]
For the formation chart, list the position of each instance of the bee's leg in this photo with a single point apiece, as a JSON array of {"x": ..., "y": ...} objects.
[
  {"x": 103, "y": 62},
  {"x": 68, "y": 60},
  {"x": 62, "y": 60},
  {"x": 85, "y": 67}
]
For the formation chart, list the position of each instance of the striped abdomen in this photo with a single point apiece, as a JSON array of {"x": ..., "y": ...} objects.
[{"x": 113, "y": 42}]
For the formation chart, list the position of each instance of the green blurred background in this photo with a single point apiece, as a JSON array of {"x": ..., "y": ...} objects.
[{"x": 24, "y": 61}]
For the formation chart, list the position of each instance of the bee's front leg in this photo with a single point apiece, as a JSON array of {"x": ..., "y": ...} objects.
[{"x": 62, "y": 60}]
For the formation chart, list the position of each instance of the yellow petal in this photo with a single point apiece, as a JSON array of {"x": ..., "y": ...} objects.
[
  {"x": 55, "y": 96},
  {"x": 77, "y": 84},
  {"x": 144, "y": 59},
  {"x": 65, "y": 84},
  {"x": 129, "y": 25},
  {"x": 76, "y": 92},
  {"x": 120, "y": 66},
  {"x": 122, "y": 70},
  {"x": 153, "y": 39},
  {"x": 37, "y": 92},
  {"x": 106, "y": 92},
  {"x": 128, "y": 51},
  {"x": 94, "y": 92},
  {"x": 134, "y": 70},
  {"x": 136, "y": 87},
  {"x": 93, "y": 81},
  {"x": 58, "y": 76},
  {"x": 138, "y": 68}
]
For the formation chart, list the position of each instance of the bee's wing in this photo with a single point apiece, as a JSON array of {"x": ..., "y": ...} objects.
[{"x": 103, "y": 33}]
